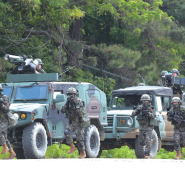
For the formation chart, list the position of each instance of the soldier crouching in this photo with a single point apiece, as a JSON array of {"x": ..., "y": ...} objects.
[
  {"x": 177, "y": 117},
  {"x": 144, "y": 113},
  {"x": 73, "y": 109},
  {"x": 4, "y": 124}
]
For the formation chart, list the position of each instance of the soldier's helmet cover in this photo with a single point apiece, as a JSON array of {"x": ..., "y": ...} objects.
[
  {"x": 1, "y": 88},
  {"x": 176, "y": 71},
  {"x": 163, "y": 73},
  {"x": 38, "y": 61},
  {"x": 71, "y": 90},
  {"x": 141, "y": 84},
  {"x": 145, "y": 97},
  {"x": 176, "y": 99}
]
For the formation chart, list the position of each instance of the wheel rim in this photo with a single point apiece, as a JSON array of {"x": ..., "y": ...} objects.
[
  {"x": 39, "y": 141},
  {"x": 92, "y": 142}
]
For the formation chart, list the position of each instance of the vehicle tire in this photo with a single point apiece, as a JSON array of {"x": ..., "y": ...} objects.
[
  {"x": 19, "y": 153},
  {"x": 140, "y": 150},
  {"x": 34, "y": 141},
  {"x": 91, "y": 141}
]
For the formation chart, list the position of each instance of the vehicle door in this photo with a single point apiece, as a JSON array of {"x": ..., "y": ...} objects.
[{"x": 163, "y": 104}]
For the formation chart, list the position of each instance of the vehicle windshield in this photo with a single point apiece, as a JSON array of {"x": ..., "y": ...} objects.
[
  {"x": 127, "y": 101},
  {"x": 7, "y": 91},
  {"x": 31, "y": 92}
]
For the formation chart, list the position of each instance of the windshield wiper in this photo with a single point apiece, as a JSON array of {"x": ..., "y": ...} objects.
[{"x": 31, "y": 85}]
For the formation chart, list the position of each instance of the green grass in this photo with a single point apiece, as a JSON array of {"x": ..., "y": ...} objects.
[{"x": 124, "y": 152}]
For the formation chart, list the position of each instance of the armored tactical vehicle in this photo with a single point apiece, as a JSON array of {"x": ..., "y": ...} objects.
[
  {"x": 38, "y": 99},
  {"x": 122, "y": 128}
]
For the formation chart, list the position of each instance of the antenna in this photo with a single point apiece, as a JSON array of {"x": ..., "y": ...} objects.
[{"x": 67, "y": 69}]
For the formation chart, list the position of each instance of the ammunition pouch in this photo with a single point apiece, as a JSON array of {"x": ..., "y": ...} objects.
[
  {"x": 63, "y": 110},
  {"x": 12, "y": 119},
  {"x": 84, "y": 121}
]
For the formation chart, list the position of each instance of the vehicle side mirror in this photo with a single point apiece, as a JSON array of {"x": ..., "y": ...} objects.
[
  {"x": 59, "y": 98},
  {"x": 166, "y": 102}
]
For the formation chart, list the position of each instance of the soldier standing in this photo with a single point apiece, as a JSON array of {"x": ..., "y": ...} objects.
[
  {"x": 73, "y": 109},
  {"x": 179, "y": 125},
  {"x": 144, "y": 113},
  {"x": 4, "y": 123}
]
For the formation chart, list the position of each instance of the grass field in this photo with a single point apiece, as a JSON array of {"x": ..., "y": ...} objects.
[{"x": 55, "y": 151}]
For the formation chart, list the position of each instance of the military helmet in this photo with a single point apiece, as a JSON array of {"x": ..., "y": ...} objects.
[
  {"x": 141, "y": 84},
  {"x": 1, "y": 88},
  {"x": 38, "y": 61},
  {"x": 176, "y": 99},
  {"x": 163, "y": 73},
  {"x": 145, "y": 97},
  {"x": 71, "y": 90},
  {"x": 176, "y": 71}
]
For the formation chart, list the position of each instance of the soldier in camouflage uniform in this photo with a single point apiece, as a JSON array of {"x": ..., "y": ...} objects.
[
  {"x": 179, "y": 128},
  {"x": 4, "y": 123},
  {"x": 145, "y": 129},
  {"x": 162, "y": 75},
  {"x": 38, "y": 62},
  {"x": 74, "y": 112}
]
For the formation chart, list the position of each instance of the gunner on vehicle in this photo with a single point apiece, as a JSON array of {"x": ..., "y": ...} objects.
[{"x": 38, "y": 62}]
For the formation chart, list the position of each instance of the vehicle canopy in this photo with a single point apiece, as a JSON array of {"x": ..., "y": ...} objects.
[{"x": 157, "y": 90}]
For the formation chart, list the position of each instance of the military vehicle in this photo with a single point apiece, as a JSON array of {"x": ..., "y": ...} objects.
[
  {"x": 38, "y": 99},
  {"x": 122, "y": 128}
]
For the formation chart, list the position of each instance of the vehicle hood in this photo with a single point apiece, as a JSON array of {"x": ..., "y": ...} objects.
[
  {"x": 26, "y": 107},
  {"x": 119, "y": 112}
]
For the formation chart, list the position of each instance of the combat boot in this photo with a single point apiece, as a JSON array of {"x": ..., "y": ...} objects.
[
  {"x": 5, "y": 149},
  {"x": 72, "y": 149},
  {"x": 12, "y": 154},
  {"x": 82, "y": 154},
  {"x": 151, "y": 143},
  {"x": 178, "y": 155}
]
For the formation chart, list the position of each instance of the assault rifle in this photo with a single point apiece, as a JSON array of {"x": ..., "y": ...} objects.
[
  {"x": 143, "y": 111},
  {"x": 178, "y": 119}
]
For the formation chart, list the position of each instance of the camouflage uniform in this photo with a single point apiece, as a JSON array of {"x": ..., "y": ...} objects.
[
  {"x": 4, "y": 109},
  {"x": 179, "y": 130},
  {"x": 38, "y": 61},
  {"x": 74, "y": 115},
  {"x": 145, "y": 129},
  {"x": 41, "y": 70}
]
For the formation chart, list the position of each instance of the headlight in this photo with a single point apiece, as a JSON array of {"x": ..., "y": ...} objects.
[
  {"x": 23, "y": 116},
  {"x": 130, "y": 122},
  {"x": 16, "y": 115}
]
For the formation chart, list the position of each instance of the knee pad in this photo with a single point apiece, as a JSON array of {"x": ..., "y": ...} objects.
[{"x": 66, "y": 132}]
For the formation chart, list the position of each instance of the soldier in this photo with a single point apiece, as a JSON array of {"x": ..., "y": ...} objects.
[
  {"x": 175, "y": 72},
  {"x": 179, "y": 125},
  {"x": 144, "y": 113},
  {"x": 162, "y": 81},
  {"x": 38, "y": 62},
  {"x": 73, "y": 109},
  {"x": 177, "y": 89},
  {"x": 4, "y": 109}
]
